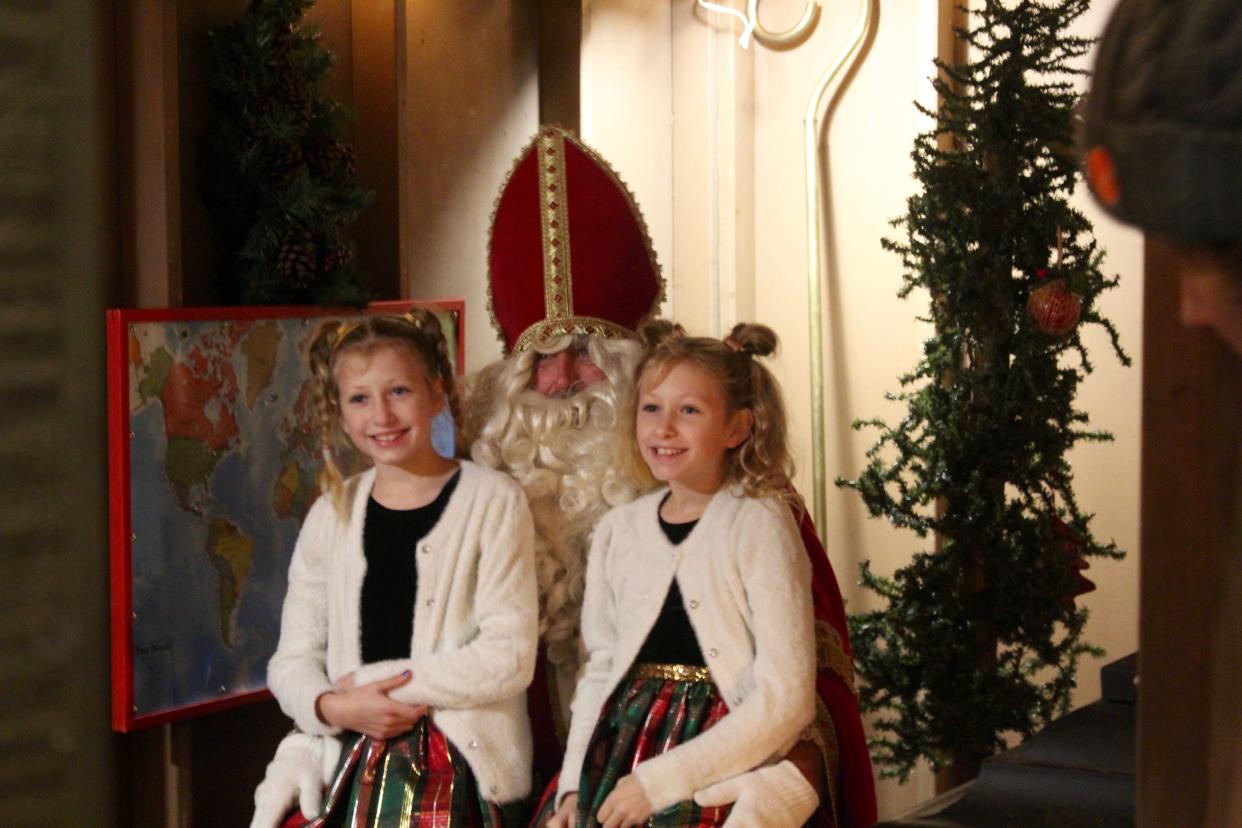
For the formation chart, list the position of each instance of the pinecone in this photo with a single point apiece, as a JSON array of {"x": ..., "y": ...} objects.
[
  {"x": 282, "y": 39},
  {"x": 249, "y": 128},
  {"x": 325, "y": 158},
  {"x": 295, "y": 259},
  {"x": 285, "y": 161},
  {"x": 293, "y": 93}
]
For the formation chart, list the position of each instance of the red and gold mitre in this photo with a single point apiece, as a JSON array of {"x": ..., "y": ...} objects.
[{"x": 569, "y": 251}]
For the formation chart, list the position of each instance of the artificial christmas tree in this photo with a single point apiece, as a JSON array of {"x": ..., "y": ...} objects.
[
  {"x": 279, "y": 184},
  {"x": 980, "y": 636}
]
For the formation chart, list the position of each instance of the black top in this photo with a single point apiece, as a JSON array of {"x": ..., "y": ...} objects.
[
  {"x": 677, "y": 532},
  {"x": 389, "y": 538},
  {"x": 672, "y": 640}
]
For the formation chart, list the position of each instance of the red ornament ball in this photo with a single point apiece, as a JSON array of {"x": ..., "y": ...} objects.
[{"x": 1054, "y": 307}]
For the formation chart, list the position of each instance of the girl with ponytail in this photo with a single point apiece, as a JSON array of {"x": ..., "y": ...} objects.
[{"x": 697, "y": 618}]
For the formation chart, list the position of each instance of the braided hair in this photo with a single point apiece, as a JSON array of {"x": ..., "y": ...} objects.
[
  {"x": 418, "y": 332},
  {"x": 761, "y": 464}
]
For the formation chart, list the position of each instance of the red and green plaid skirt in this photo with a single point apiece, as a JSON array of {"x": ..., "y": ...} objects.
[
  {"x": 657, "y": 707},
  {"x": 417, "y": 779}
]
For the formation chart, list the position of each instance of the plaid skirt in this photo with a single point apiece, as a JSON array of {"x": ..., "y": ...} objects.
[
  {"x": 416, "y": 779},
  {"x": 656, "y": 708}
]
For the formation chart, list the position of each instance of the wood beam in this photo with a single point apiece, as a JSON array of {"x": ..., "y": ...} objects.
[{"x": 1191, "y": 568}]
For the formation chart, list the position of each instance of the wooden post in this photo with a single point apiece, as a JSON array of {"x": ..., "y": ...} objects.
[
  {"x": 148, "y": 156},
  {"x": 1191, "y": 564},
  {"x": 149, "y": 225},
  {"x": 560, "y": 51},
  {"x": 376, "y": 38}
]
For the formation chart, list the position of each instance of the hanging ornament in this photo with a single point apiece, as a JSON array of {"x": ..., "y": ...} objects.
[
  {"x": 1053, "y": 307},
  {"x": 1067, "y": 547}
]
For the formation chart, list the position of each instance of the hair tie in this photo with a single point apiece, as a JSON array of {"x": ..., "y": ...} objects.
[
  {"x": 344, "y": 330},
  {"x": 416, "y": 321},
  {"x": 674, "y": 333},
  {"x": 735, "y": 346}
]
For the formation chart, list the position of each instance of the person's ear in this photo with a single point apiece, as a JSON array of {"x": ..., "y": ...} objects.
[{"x": 740, "y": 424}]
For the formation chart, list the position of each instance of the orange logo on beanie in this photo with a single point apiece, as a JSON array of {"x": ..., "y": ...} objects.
[{"x": 1102, "y": 175}]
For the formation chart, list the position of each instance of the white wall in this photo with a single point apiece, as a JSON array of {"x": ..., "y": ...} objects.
[
  {"x": 1107, "y": 475},
  {"x": 870, "y": 336},
  {"x": 733, "y": 244},
  {"x": 627, "y": 112}
]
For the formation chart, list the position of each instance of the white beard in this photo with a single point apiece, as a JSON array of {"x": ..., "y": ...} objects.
[{"x": 561, "y": 452}]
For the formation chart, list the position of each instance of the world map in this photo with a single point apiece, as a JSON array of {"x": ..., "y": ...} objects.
[{"x": 223, "y": 464}]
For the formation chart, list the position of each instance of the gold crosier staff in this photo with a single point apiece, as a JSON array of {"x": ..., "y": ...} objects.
[{"x": 813, "y": 121}]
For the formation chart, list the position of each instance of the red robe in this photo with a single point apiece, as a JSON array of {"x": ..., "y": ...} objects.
[
  {"x": 835, "y": 680},
  {"x": 549, "y": 751}
]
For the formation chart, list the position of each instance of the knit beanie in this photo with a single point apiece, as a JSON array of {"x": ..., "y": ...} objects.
[{"x": 1162, "y": 129}]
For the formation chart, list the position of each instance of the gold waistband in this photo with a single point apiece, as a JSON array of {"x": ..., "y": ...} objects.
[{"x": 669, "y": 672}]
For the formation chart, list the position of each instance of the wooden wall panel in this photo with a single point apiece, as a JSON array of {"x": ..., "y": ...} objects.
[{"x": 468, "y": 101}]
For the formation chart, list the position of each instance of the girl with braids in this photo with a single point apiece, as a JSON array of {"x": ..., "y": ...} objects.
[
  {"x": 697, "y": 617},
  {"x": 408, "y": 632}
]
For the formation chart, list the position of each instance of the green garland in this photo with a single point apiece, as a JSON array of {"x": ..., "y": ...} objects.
[
  {"x": 279, "y": 185},
  {"x": 980, "y": 637}
]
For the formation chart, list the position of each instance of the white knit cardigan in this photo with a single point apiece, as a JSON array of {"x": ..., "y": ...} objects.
[
  {"x": 746, "y": 583},
  {"x": 475, "y": 623}
]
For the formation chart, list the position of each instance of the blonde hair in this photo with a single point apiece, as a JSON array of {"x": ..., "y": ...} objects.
[
  {"x": 761, "y": 464},
  {"x": 418, "y": 333}
]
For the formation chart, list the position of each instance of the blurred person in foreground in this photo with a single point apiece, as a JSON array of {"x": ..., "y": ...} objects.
[
  {"x": 1162, "y": 142},
  {"x": 1162, "y": 136}
]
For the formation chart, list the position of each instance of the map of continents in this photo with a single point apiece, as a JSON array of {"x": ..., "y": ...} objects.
[{"x": 223, "y": 465}]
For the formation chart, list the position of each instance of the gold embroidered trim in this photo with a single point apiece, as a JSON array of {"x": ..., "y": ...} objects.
[
  {"x": 669, "y": 672},
  {"x": 823, "y": 733},
  {"x": 576, "y": 325},
  {"x": 830, "y": 654},
  {"x": 558, "y": 292}
]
